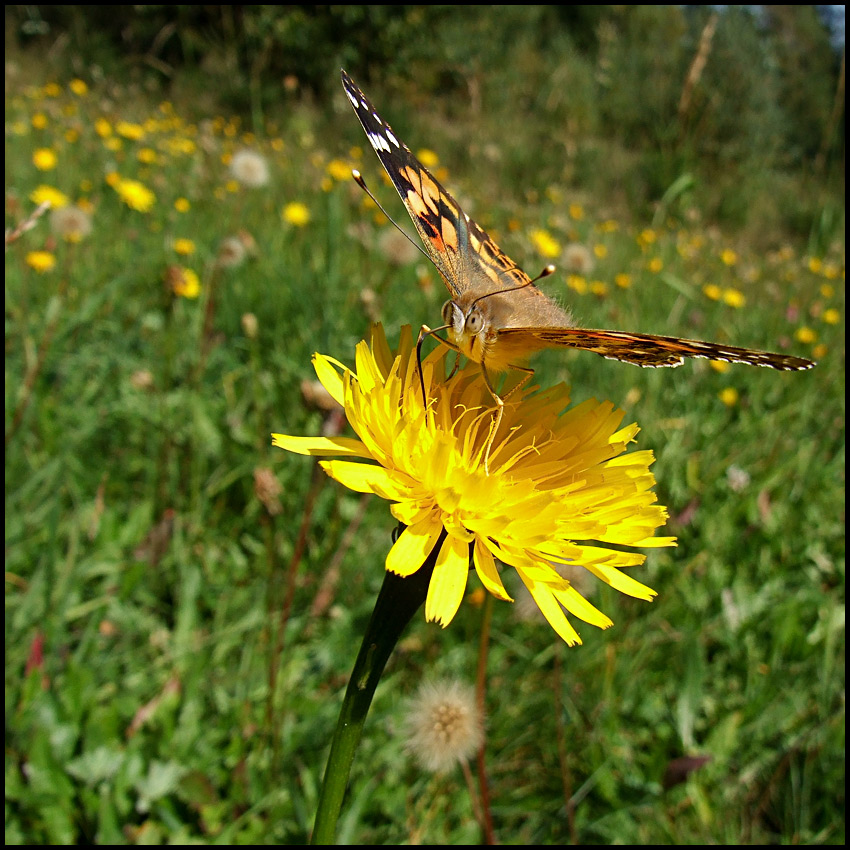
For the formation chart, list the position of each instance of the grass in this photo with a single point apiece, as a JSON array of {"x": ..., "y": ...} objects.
[{"x": 183, "y": 602}]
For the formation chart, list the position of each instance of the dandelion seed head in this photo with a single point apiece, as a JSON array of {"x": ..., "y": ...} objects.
[
  {"x": 250, "y": 168},
  {"x": 443, "y": 725}
]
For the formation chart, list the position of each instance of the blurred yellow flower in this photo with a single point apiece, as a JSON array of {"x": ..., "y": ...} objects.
[
  {"x": 805, "y": 335},
  {"x": 339, "y": 169},
  {"x": 827, "y": 290},
  {"x": 54, "y": 197},
  {"x": 719, "y": 366},
  {"x": 560, "y": 487},
  {"x": 129, "y": 130},
  {"x": 576, "y": 212},
  {"x": 815, "y": 265},
  {"x": 148, "y": 156},
  {"x": 729, "y": 396},
  {"x": 184, "y": 247},
  {"x": 655, "y": 265},
  {"x": 545, "y": 243},
  {"x": 599, "y": 287},
  {"x": 182, "y": 205},
  {"x": 577, "y": 283},
  {"x": 103, "y": 128},
  {"x": 608, "y": 226},
  {"x": 296, "y": 213},
  {"x": 819, "y": 351},
  {"x": 135, "y": 195},
  {"x": 733, "y": 297},
  {"x": 183, "y": 282},
  {"x": 623, "y": 280},
  {"x": 41, "y": 261},
  {"x": 44, "y": 159},
  {"x": 78, "y": 87},
  {"x": 728, "y": 257},
  {"x": 39, "y": 121},
  {"x": 831, "y": 316},
  {"x": 52, "y": 90},
  {"x": 601, "y": 251},
  {"x": 428, "y": 158},
  {"x": 646, "y": 237},
  {"x": 712, "y": 291}
]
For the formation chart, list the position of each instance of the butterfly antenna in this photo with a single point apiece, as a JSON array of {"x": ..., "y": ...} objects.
[
  {"x": 550, "y": 269},
  {"x": 358, "y": 179}
]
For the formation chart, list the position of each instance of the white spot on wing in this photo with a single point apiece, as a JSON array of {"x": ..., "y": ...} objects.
[
  {"x": 352, "y": 98},
  {"x": 392, "y": 138}
]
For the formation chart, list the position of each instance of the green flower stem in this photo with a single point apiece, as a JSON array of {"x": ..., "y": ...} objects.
[{"x": 398, "y": 600}]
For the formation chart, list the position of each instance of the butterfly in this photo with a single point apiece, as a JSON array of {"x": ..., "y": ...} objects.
[{"x": 496, "y": 316}]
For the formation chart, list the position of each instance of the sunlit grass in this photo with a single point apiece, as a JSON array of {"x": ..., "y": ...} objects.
[{"x": 182, "y": 601}]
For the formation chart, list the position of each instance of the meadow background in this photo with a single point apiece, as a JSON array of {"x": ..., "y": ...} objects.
[{"x": 184, "y": 602}]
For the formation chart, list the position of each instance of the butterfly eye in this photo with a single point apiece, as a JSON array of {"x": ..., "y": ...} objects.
[{"x": 474, "y": 321}]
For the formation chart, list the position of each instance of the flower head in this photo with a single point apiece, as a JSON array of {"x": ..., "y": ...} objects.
[
  {"x": 250, "y": 168},
  {"x": 559, "y": 488},
  {"x": 443, "y": 724},
  {"x": 71, "y": 223},
  {"x": 136, "y": 195}
]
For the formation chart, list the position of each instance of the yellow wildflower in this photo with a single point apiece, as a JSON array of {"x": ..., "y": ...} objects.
[
  {"x": 44, "y": 159},
  {"x": 296, "y": 213},
  {"x": 41, "y": 261}
]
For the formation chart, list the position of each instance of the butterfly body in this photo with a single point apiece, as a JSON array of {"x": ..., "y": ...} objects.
[{"x": 496, "y": 315}]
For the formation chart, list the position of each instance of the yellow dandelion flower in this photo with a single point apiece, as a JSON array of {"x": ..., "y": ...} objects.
[
  {"x": 805, "y": 335},
  {"x": 277, "y": 145},
  {"x": 608, "y": 226},
  {"x": 182, "y": 205},
  {"x": 577, "y": 283},
  {"x": 339, "y": 169},
  {"x": 729, "y": 396},
  {"x": 733, "y": 297},
  {"x": 39, "y": 121},
  {"x": 103, "y": 128},
  {"x": 184, "y": 247},
  {"x": 831, "y": 271},
  {"x": 831, "y": 316},
  {"x": 44, "y": 159},
  {"x": 52, "y": 90},
  {"x": 136, "y": 195},
  {"x": 41, "y": 261},
  {"x": 646, "y": 237},
  {"x": 113, "y": 143},
  {"x": 560, "y": 487},
  {"x": 655, "y": 265},
  {"x": 827, "y": 290},
  {"x": 545, "y": 243},
  {"x": 601, "y": 251},
  {"x": 296, "y": 213},
  {"x": 623, "y": 280},
  {"x": 428, "y": 158},
  {"x": 148, "y": 156},
  {"x": 815, "y": 265},
  {"x": 183, "y": 282},
  {"x": 712, "y": 291},
  {"x": 720, "y": 366},
  {"x": 129, "y": 130},
  {"x": 326, "y": 184},
  {"x": 78, "y": 87},
  {"x": 576, "y": 212},
  {"x": 599, "y": 287},
  {"x": 819, "y": 351},
  {"x": 54, "y": 197},
  {"x": 728, "y": 257}
]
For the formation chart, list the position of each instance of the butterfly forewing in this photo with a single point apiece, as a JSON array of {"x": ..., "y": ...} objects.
[
  {"x": 460, "y": 249},
  {"x": 648, "y": 349}
]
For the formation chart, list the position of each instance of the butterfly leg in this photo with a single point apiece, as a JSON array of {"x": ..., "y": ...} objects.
[
  {"x": 423, "y": 332},
  {"x": 500, "y": 406}
]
